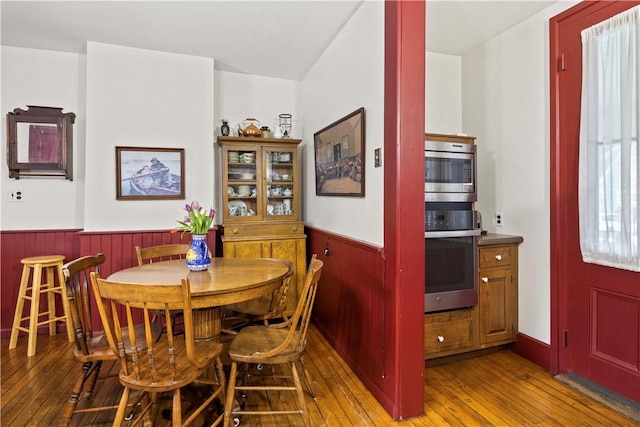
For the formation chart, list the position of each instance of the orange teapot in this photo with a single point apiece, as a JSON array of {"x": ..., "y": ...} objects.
[{"x": 251, "y": 128}]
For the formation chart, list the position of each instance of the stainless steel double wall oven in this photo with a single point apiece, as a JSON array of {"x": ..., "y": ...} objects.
[{"x": 450, "y": 223}]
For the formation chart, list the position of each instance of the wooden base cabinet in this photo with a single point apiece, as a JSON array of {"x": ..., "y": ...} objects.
[
  {"x": 493, "y": 321},
  {"x": 449, "y": 333},
  {"x": 287, "y": 247},
  {"x": 498, "y": 295}
]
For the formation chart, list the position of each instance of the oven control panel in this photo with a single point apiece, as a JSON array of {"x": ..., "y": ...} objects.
[{"x": 449, "y": 220}]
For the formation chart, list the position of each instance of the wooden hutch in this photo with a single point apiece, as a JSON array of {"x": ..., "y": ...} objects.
[{"x": 261, "y": 198}]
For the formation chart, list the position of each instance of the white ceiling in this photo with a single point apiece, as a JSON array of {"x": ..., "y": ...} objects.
[{"x": 280, "y": 39}]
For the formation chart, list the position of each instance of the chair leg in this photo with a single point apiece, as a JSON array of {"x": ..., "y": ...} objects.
[
  {"x": 91, "y": 378},
  {"x": 305, "y": 378},
  {"x": 88, "y": 370},
  {"x": 176, "y": 409},
  {"x": 300, "y": 393},
  {"x": 222, "y": 381},
  {"x": 228, "y": 404},
  {"x": 149, "y": 403},
  {"x": 122, "y": 408}
]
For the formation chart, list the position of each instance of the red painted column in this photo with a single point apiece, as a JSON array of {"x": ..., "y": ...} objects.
[{"x": 404, "y": 118}]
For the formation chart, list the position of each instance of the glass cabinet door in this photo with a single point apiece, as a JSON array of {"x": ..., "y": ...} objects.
[
  {"x": 242, "y": 183},
  {"x": 280, "y": 184}
]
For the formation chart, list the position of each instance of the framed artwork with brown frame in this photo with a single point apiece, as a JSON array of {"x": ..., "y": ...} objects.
[
  {"x": 339, "y": 156},
  {"x": 144, "y": 173}
]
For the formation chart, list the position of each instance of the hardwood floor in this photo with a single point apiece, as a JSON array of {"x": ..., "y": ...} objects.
[{"x": 499, "y": 389}]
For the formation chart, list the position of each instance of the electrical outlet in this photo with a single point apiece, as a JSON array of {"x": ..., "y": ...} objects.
[
  {"x": 16, "y": 196},
  {"x": 499, "y": 219}
]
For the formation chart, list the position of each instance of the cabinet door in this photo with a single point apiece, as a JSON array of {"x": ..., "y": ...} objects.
[
  {"x": 293, "y": 250},
  {"x": 240, "y": 182},
  {"x": 280, "y": 183},
  {"x": 494, "y": 300}
]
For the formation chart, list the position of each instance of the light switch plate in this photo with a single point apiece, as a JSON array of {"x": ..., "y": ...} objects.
[{"x": 377, "y": 158}]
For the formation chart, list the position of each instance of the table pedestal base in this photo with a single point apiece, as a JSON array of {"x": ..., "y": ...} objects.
[{"x": 207, "y": 323}]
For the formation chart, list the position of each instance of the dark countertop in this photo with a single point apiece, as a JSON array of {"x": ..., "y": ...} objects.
[{"x": 499, "y": 239}]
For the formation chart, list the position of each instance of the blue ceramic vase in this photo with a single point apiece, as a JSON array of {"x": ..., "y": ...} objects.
[{"x": 198, "y": 255}]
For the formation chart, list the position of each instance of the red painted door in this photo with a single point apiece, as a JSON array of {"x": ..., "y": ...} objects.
[{"x": 598, "y": 311}]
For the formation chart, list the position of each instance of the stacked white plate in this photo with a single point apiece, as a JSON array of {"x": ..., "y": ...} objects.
[
  {"x": 244, "y": 190},
  {"x": 234, "y": 157},
  {"x": 248, "y": 157}
]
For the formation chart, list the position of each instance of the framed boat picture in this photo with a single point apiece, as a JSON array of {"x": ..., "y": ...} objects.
[{"x": 144, "y": 173}]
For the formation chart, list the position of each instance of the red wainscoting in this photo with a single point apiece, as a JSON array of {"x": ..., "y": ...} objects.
[
  {"x": 350, "y": 306},
  {"x": 118, "y": 247},
  {"x": 17, "y": 245}
]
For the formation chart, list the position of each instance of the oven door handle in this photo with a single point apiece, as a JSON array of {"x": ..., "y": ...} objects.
[{"x": 452, "y": 233}]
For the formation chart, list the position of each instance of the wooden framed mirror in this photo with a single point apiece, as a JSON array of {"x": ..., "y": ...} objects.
[{"x": 40, "y": 142}]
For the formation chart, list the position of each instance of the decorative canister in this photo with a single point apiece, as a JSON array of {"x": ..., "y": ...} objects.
[
  {"x": 266, "y": 133},
  {"x": 198, "y": 258},
  {"x": 224, "y": 129}
]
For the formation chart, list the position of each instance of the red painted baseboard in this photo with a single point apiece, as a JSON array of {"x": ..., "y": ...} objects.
[{"x": 533, "y": 350}]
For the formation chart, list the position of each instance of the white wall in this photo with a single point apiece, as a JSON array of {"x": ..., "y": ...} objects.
[
  {"x": 51, "y": 79},
  {"x": 443, "y": 93},
  {"x": 348, "y": 75},
  {"x": 144, "y": 98},
  {"x": 361, "y": 45},
  {"x": 239, "y": 96},
  {"x": 505, "y": 104}
]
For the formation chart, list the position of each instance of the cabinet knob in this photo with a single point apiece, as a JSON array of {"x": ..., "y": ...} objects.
[
  {"x": 498, "y": 257},
  {"x": 294, "y": 229},
  {"x": 235, "y": 231},
  {"x": 440, "y": 338},
  {"x": 485, "y": 279}
]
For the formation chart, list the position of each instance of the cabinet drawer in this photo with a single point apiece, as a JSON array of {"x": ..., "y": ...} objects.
[
  {"x": 263, "y": 229},
  {"x": 447, "y": 336},
  {"x": 495, "y": 256}
]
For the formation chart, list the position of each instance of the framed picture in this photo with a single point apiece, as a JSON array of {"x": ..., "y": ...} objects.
[
  {"x": 149, "y": 173},
  {"x": 339, "y": 157}
]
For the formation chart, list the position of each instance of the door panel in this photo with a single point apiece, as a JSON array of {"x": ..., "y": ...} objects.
[
  {"x": 598, "y": 307},
  {"x": 615, "y": 319},
  {"x": 495, "y": 306}
]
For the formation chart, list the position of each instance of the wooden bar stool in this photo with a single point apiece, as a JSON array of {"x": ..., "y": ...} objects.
[{"x": 47, "y": 266}]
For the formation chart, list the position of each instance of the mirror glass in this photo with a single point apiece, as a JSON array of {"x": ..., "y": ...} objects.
[{"x": 40, "y": 142}]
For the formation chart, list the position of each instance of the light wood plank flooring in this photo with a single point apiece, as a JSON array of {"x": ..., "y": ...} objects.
[{"x": 499, "y": 389}]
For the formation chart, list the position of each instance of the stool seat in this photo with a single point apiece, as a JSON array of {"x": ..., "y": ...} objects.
[
  {"x": 43, "y": 259},
  {"x": 47, "y": 267}
]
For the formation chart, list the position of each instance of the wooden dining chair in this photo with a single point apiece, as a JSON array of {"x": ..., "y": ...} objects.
[
  {"x": 276, "y": 344},
  {"x": 263, "y": 309},
  {"x": 160, "y": 253},
  {"x": 92, "y": 348},
  {"x": 167, "y": 365}
]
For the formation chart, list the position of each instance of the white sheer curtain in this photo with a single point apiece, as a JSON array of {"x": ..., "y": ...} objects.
[{"x": 609, "y": 149}]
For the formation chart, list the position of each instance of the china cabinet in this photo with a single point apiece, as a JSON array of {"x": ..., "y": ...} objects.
[{"x": 260, "y": 203}]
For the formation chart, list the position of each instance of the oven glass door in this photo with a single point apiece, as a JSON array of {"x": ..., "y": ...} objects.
[
  {"x": 448, "y": 172},
  {"x": 450, "y": 273}
]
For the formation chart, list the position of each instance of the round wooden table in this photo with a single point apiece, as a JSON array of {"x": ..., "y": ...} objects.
[{"x": 227, "y": 281}]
